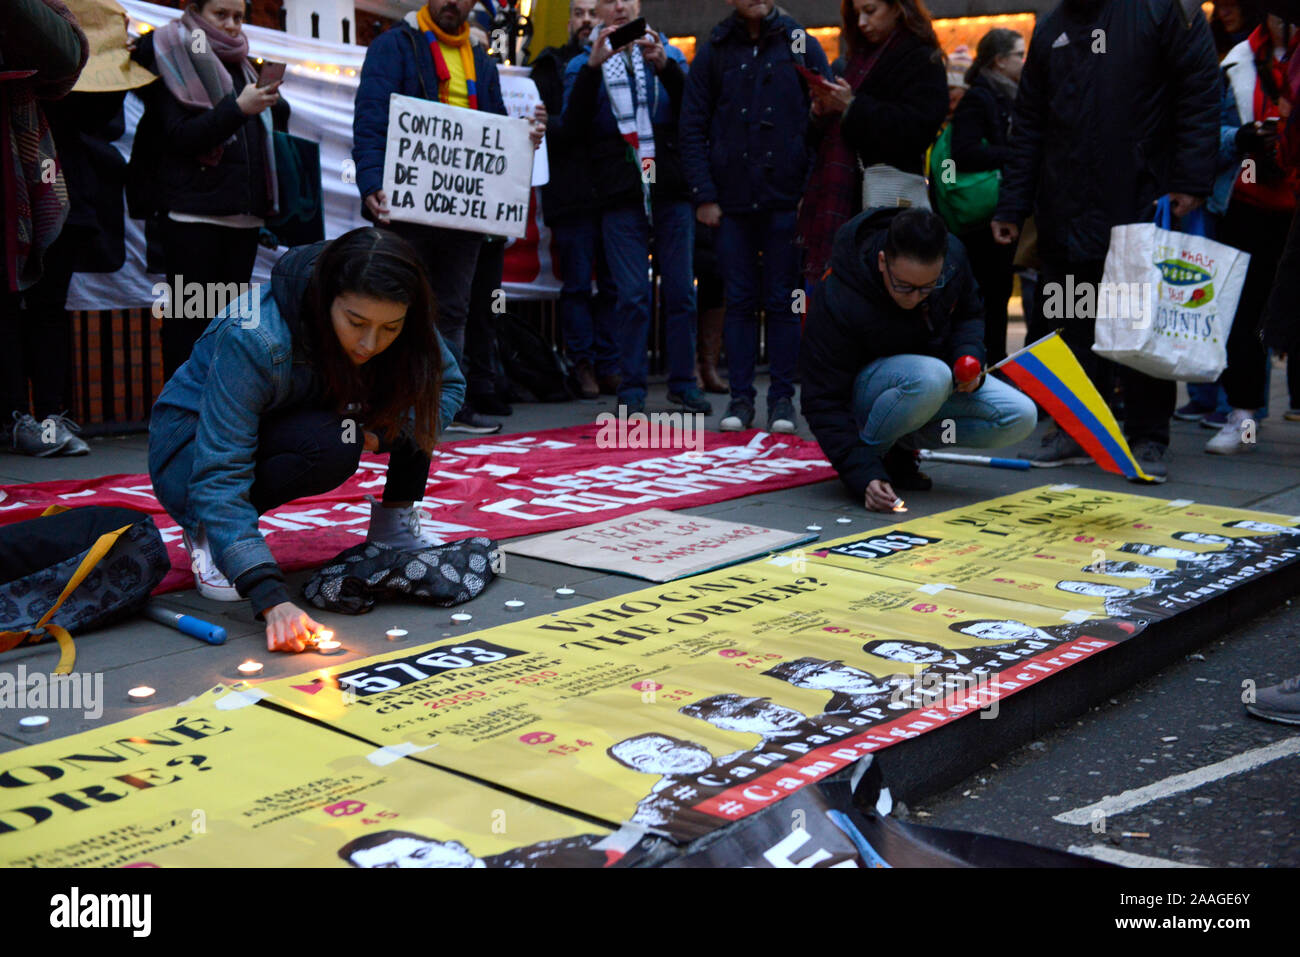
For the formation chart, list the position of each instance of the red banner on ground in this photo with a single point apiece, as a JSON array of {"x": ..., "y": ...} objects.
[{"x": 499, "y": 486}]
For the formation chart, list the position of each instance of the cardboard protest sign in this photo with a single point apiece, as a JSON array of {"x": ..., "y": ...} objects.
[
  {"x": 521, "y": 97},
  {"x": 223, "y": 782},
  {"x": 457, "y": 168},
  {"x": 658, "y": 545}
]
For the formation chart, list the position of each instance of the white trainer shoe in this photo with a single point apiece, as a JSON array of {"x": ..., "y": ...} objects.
[
  {"x": 207, "y": 577},
  {"x": 1237, "y": 434}
]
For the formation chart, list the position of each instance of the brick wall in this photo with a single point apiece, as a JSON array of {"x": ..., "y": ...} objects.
[{"x": 116, "y": 368}]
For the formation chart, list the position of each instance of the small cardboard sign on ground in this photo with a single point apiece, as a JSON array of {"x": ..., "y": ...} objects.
[
  {"x": 457, "y": 168},
  {"x": 658, "y": 545}
]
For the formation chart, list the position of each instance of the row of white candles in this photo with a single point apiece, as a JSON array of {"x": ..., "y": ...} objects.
[{"x": 324, "y": 643}]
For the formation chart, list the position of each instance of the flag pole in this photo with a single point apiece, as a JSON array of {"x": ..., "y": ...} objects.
[{"x": 1024, "y": 349}]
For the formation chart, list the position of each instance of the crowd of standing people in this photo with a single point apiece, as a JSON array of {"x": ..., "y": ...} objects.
[{"x": 759, "y": 163}]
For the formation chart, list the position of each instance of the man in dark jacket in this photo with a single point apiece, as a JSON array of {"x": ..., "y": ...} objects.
[
  {"x": 569, "y": 208},
  {"x": 1118, "y": 105},
  {"x": 623, "y": 105},
  {"x": 402, "y": 60},
  {"x": 744, "y": 126},
  {"x": 898, "y": 309}
]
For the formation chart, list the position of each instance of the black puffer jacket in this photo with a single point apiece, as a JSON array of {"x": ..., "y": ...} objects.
[
  {"x": 165, "y": 173},
  {"x": 897, "y": 111},
  {"x": 980, "y": 125},
  {"x": 571, "y": 191},
  {"x": 1099, "y": 136},
  {"x": 855, "y": 321}
]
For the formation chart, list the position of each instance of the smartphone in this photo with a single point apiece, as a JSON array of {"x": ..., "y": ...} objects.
[
  {"x": 627, "y": 33},
  {"x": 271, "y": 71},
  {"x": 814, "y": 78}
]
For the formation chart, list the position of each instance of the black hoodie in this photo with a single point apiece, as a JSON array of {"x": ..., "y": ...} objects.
[{"x": 855, "y": 321}]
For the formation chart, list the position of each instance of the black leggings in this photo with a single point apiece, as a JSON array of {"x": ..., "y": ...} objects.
[
  {"x": 304, "y": 452},
  {"x": 202, "y": 253},
  {"x": 1262, "y": 233}
]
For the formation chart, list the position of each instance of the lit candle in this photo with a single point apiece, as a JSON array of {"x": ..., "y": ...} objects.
[
  {"x": 395, "y": 633},
  {"x": 142, "y": 693},
  {"x": 250, "y": 667},
  {"x": 564, "y": 591},
  {"x": 33, "y": 723},
  {"x": 461, "y": 618},
  {"x": 514, "y": 604},
  {"x": 329, "y": 646}
]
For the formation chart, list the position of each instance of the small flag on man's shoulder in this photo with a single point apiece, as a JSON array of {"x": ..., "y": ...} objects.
[{"x": 1048, "y": 373}]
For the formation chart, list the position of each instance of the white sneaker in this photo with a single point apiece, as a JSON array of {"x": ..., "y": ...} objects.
[
  {"x": 1232, "y": 438},
  {"x": 207, "y": 578}
]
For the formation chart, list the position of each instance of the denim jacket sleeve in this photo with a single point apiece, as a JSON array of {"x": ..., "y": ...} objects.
[
  {"x": 240, "y": 389},
  {"x": 453, "y": 387}
]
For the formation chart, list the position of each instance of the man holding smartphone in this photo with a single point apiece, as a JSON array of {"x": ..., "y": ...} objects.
[
  {"x": 744, "y": 148},
  {"x": 623, "y": 102}
]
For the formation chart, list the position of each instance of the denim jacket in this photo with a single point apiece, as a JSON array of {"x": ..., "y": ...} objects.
[{"x": 244, "y": 367}]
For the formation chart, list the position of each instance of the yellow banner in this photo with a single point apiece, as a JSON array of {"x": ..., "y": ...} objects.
[
  {"x": 223, "y": 782},
  {"x": 1077, "y": 550},
  {"x": 677, "y": 708},
  {"x": 687, "y": 704}
]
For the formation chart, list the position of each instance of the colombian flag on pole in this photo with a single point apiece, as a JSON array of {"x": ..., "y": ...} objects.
[{"x": 1048, "y": 373}]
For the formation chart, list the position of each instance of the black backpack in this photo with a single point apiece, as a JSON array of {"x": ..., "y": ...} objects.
[
  {"x": 74, "y": 570},
  {"x": 535, "y": 367}
]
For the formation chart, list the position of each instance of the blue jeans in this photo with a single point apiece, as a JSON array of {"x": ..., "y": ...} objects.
[
  {"x": 740, "y": 241},
  {"x": 587, "y": 320},
  {"x": 627, "y": 247},
  {"x": 898, "y": 395}
]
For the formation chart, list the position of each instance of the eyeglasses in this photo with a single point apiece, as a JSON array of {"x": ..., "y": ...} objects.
[{"x": 906, "y": 288}]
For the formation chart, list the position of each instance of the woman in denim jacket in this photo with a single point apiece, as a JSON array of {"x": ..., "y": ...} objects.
[{"x": 270, "y": 407}]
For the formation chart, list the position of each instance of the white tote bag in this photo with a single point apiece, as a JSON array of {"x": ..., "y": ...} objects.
[
  {"x": 884, "y": 185},
  {"x": 1167, "y": 300}
]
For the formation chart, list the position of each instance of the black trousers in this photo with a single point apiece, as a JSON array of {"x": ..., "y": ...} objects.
[
  {"x": 1148, "y": 402},
  {"x": 202, "y": 253},
  {"x": 36, "y": 337},
  {"x": 482, "y": 368},
  {"x": 991, "y": 262},
  {"x": 1262, "y": 233},
  {"x": 303, "y": 452}
]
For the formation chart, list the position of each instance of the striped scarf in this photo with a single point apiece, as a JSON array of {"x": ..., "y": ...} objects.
[
  {"x": 437, "y": 40},
  {"x": 200, "y": 80},
  {"x": 632, "y": 95}
]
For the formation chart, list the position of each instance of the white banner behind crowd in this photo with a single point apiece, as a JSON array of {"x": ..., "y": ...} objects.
[{"x": 320, "y": 85}]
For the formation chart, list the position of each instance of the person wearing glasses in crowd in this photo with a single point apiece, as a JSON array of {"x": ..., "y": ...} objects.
[{"x": 898, "y": 308}]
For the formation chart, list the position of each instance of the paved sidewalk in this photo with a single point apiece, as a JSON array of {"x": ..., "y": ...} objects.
[{"x": 142, "y": 652}]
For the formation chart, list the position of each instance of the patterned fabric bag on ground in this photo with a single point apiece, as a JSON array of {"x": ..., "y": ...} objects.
[
  {"x": 354, "y": 580},
  {"x": 72, "y": 570}
]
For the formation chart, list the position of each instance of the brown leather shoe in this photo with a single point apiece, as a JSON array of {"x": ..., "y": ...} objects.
[
  {"x": 710, "y": 347},
  {"x": 586, "y": 377},
  {"x": 609, "y": 384}
]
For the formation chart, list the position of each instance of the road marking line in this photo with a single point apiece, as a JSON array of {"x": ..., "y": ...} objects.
[
  {"x": 1178, "y": 783},
  {"x": 1114, "y": 855}
]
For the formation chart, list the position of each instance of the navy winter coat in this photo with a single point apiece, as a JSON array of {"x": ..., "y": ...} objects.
[{"x": 744, "y": 117}]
